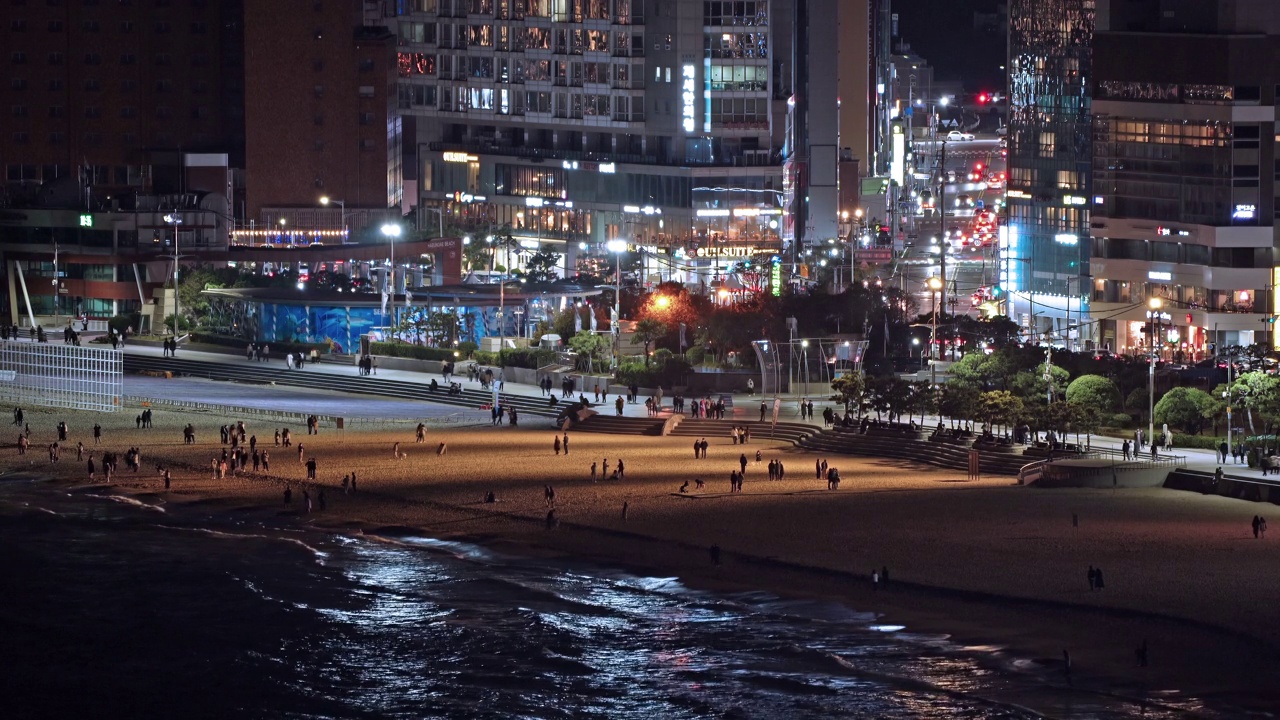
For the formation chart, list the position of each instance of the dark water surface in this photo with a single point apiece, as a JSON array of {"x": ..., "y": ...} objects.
[{"x": 111, "y": 608}]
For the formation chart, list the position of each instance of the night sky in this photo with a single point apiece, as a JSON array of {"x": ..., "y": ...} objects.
[{"x": 942, "y": 32}]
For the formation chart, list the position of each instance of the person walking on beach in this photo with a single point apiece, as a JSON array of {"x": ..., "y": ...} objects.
[
  {"x": 93, "y": 470},
  {"x": 697, "y": 449},
  {"x": 1257, "y": 523},
  {"x": 306, "y": 501},
  {"x": 1262, "y": 527},
  {"x": 277, "y": 437},
  {"x": 288, "y": 495},
  {"x": 593, "y": 472},
  {"x": 557, "y": 444},
  {"x": 311, "y": 468},
  {"x": 742, "y": 462},
  {"x": 549, "y": 495},
  {"x": 420, "y": 433},
  {"x": 566, "y": 443},
  {"x": 266, "y": 461},
  {"x": 97, "y": 434},
  {"x": 622, "y": 470}
]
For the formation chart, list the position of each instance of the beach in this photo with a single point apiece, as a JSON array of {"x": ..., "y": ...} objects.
[{"x": 986, "y": 562}]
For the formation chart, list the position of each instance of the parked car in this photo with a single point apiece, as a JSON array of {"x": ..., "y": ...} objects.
[{"x": 956, "y": 135}]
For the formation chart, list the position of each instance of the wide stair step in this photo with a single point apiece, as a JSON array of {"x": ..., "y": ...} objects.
[
  {"x": 905, "y": 447},
  {"x": 614, "y": 425},
  {"x": 705, "y": 427}
]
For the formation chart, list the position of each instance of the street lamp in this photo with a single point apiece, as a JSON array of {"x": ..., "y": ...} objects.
[
  {"x": 391, "y": 231},
  {"x": 173, "y": 219},
  {"x": 342, "y": 212},
  {"x": 1153, "y": 319},
  {"x": 804, "y": 359},
  {"x": 617, "y": 247},
  {"x": 935, "y": 285}
]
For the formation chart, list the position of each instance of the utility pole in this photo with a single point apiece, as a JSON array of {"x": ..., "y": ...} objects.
[{"x": 942, "y": 225}]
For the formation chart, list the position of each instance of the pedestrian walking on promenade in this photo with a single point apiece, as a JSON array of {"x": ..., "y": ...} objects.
[{"x": 557, "y": 444}]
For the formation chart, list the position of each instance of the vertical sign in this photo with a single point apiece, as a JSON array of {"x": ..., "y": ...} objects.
[
  {"x": 687, "y": 96},
  {"x": 775, "y": 278}
]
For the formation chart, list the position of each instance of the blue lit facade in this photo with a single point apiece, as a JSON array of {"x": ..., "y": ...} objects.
[{"x": 1046, "y": 266}]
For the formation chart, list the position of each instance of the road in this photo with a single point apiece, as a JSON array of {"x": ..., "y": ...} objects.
[{"x": 970, "y": 267}]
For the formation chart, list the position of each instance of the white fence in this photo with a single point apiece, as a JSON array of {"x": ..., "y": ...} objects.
[{"x": 57, "y": 375}]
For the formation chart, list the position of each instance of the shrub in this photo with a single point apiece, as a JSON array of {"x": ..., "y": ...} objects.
[
  {"x": 695, "y": 355},
  {"x": 1200, "y": 442},
  {"x": 672, "y": 372},
  {"x": 485, "y": 357},
  {"x": 416, "y": 352},
  {"x": 530, "y": 358},
  {"x": 277, "y": 346},
  {"x": 467, "y": 348},
  {"x": 1119, "y": 420},
  {"x": 124, "y": 321}
]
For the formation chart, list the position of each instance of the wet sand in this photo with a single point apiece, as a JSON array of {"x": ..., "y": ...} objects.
[{"x": 987, "y": 562}]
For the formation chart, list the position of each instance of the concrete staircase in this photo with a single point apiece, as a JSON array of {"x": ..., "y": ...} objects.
[
  {"x": 916, "y": 447},
  {"x": 613, "y": 425},
  {"x": 703, "y": 427}
]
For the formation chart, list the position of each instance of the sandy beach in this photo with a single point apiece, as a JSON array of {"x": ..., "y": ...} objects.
[{"x": 987, "y": 562}]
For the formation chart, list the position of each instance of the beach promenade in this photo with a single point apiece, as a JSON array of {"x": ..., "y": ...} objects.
[{"x": 745, "y": 407}]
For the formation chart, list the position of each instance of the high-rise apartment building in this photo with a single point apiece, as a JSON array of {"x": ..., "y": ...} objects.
[
  {"x": 1185, "y": 173},
  {"x": 91, "y": 87},
  {"x": 1046, "y": 248},
  {"x": 580, "y": 121},
  {"x": 321, "y": 117}
]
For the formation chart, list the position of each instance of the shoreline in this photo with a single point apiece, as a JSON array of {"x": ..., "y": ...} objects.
[
  {"x": 658, "y": 542},
  {"x": 1005, "y": 628}
]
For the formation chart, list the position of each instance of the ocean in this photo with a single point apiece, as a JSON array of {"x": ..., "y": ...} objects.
[{"x": 113, "y": 607}]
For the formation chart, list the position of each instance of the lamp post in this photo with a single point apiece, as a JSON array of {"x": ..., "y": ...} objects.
[
  {"x": 342, "y": 212},
  {"x": 1153, "y": 320},
  {"x": 391, "y": 231},
  {"x": 804, "y": 359},
  {"x": 617, "y": 247},
  {"x": 173, "y": 219},
  {"x": 935, "y": 285}
]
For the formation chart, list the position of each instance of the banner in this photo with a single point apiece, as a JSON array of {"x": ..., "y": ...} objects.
[
  {"x": 386, "y": 298},
  {"x": 577, "y": 319}
]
